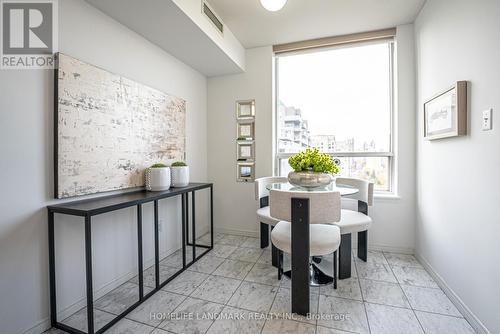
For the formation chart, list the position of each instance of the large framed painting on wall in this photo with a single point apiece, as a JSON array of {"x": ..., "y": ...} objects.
[
  {"x": 109, "y": 129},
  {"x": 445, "y": 115}
]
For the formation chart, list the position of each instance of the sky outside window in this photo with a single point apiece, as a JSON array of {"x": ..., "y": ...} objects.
[{"x": 343, "y": 92}]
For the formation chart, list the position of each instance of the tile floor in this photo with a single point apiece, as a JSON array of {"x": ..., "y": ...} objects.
[{"x": 391, "y": 293}]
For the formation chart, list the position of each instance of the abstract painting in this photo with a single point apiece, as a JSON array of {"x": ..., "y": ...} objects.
[
  {"x": 445, "y": 115},
  {"x": 108, "y": 129}
]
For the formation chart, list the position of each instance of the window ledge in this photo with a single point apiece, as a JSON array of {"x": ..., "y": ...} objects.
[{"x": 384, "y": 196}]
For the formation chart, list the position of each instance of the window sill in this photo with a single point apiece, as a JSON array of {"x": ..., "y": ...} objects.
[{"x": 384, "y": 196}]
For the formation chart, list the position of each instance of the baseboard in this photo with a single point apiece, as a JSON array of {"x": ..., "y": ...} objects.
[
  {"x": 202, "y": 231},
  {"x": 375, "y": 247},
  {"x": 44, "y": 324},
  {"x": 40, "y": 327},
  {"x": 245, "y": 233},
  {"x": 391, "y": 249},
  {"x": 455, "y": 299},
  {"x": 82, "y": 302}
]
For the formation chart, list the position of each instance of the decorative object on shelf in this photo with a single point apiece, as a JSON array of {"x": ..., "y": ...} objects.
[
  {"x": 246, "y": 130},
  {"x": 246, "y": 150},
  {"x": 245, "y": 110},
  {"x": 312, "y": 169},
  {"x": 158, "y": 177},
  {"x": 245, "y": 140},
  {"x": 109, "y": 129},
  {"x": 246, "y": 171},
  {"x": 445, "y": 115},
  {"x": 180, "y": 174},
  {"x": 273, "y": 5}
]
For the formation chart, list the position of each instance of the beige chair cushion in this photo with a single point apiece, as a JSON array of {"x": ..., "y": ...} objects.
[
  {"x": 324, "y": 207},
  {"x": 353, "y": 221},
  {"x": 264, "y": 216},
  {"x": 365, "y": 188},
  {"x": 323, "y": 239}
]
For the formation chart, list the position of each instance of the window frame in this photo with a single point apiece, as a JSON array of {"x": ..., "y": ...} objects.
[{"x": 391, "y": 156}]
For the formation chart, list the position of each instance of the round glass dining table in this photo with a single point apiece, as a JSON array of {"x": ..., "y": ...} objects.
[{"x": 332, "y": 187}]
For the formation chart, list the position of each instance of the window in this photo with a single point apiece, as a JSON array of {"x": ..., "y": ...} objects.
[{"x": 340, "y": 101}]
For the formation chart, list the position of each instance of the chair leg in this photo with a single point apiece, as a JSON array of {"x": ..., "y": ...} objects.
[
  {"x": 274, "y": 254},
  {"x": 264, "y": 235},
  {"x": 335, "y": 270},
  {"x": 345, "y": 256},
  {"x": 363, "y": 245},
  {"x": 280, "y": 264}
]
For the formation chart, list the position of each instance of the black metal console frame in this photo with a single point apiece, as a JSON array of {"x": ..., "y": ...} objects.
[{"x": 84, "y": 208}]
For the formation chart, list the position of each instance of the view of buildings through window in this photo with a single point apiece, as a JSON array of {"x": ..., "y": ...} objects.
[{"x": 338, "y": 101}]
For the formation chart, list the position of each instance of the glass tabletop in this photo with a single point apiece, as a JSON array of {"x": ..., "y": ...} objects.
[{"x": 344, "y": 190}]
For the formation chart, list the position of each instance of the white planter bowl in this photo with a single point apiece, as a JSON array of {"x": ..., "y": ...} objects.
[
  {"x": 158, "y": 179},
  {"x": 180, "y": 176},
  {"x": 309, "y": 179}
]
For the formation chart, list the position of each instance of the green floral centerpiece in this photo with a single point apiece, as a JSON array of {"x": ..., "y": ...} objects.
[{"x": 312, "y": 169}]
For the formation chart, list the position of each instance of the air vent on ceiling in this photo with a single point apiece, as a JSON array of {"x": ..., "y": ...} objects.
[{"x": 210, "y": 14}]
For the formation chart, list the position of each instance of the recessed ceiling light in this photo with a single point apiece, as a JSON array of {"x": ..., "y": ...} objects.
[{"x": 273, "y": 5}]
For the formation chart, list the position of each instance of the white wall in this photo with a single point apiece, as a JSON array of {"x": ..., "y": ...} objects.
[
  {"x": 26, "y": 118},
  {"x": 234, "y": 202},
  {"x": 397, "y": 215},
  {"x": 458, "y": 180}
]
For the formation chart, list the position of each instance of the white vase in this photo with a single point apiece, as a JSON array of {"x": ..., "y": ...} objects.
[
  {"x": 158, "y": 179},
  {"x": 180, "y": 176}
]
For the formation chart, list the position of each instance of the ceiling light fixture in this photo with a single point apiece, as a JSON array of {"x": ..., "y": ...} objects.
[{"x": 273, "y": 5}]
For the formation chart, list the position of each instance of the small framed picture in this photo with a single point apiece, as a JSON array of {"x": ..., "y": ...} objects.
[
  {"x": 245, "y": 109},
  {"x": 246, "y": 171},
  {"x": 445, "y": 115},
  {"x": 246, "y": 130},
  {"x": 245, "y": 150}
]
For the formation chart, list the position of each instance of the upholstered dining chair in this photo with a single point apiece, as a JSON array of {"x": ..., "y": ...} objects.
[
  {"x": 354, "y": 222},
  {"x": 263, "y": 215},
  {"x": 324, "y": 237}
]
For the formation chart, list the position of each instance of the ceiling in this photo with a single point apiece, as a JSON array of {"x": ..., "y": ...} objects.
[
  {"x": 307, "y": 19},
  {"x": 163, "y": 23}
]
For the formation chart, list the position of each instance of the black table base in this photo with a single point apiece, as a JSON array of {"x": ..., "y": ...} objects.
[
  {"x": 319, "y": 273},
  {"x": 317, "y": 277}
]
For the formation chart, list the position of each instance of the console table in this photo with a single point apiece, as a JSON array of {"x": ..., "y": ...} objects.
[{"x": 92, "y": 207}]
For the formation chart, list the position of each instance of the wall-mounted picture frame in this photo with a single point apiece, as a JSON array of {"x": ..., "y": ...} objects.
[
  {"x": 245, "y": 130},
  {"x": 445, "y": 115},
  {"x": 246, "y": 171},
  {"x": 245, "y": 109},
  {"x": 245, "y": 150}
]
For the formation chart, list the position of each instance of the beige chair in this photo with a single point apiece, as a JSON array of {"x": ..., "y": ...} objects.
[
  {"x": 324, "y": 237},
  {"x": 354, "y": 222},
  {"x": 263, "y": 214}
]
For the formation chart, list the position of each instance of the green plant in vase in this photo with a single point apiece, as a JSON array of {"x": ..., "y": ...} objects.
[
  {"x": 180, "y": 174},
  {"x": 158, "y": 165},
  {"x": 179, "y": 164},
  {"x": 312, "y": 169},
  {"x": 157, "y": 177}
]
